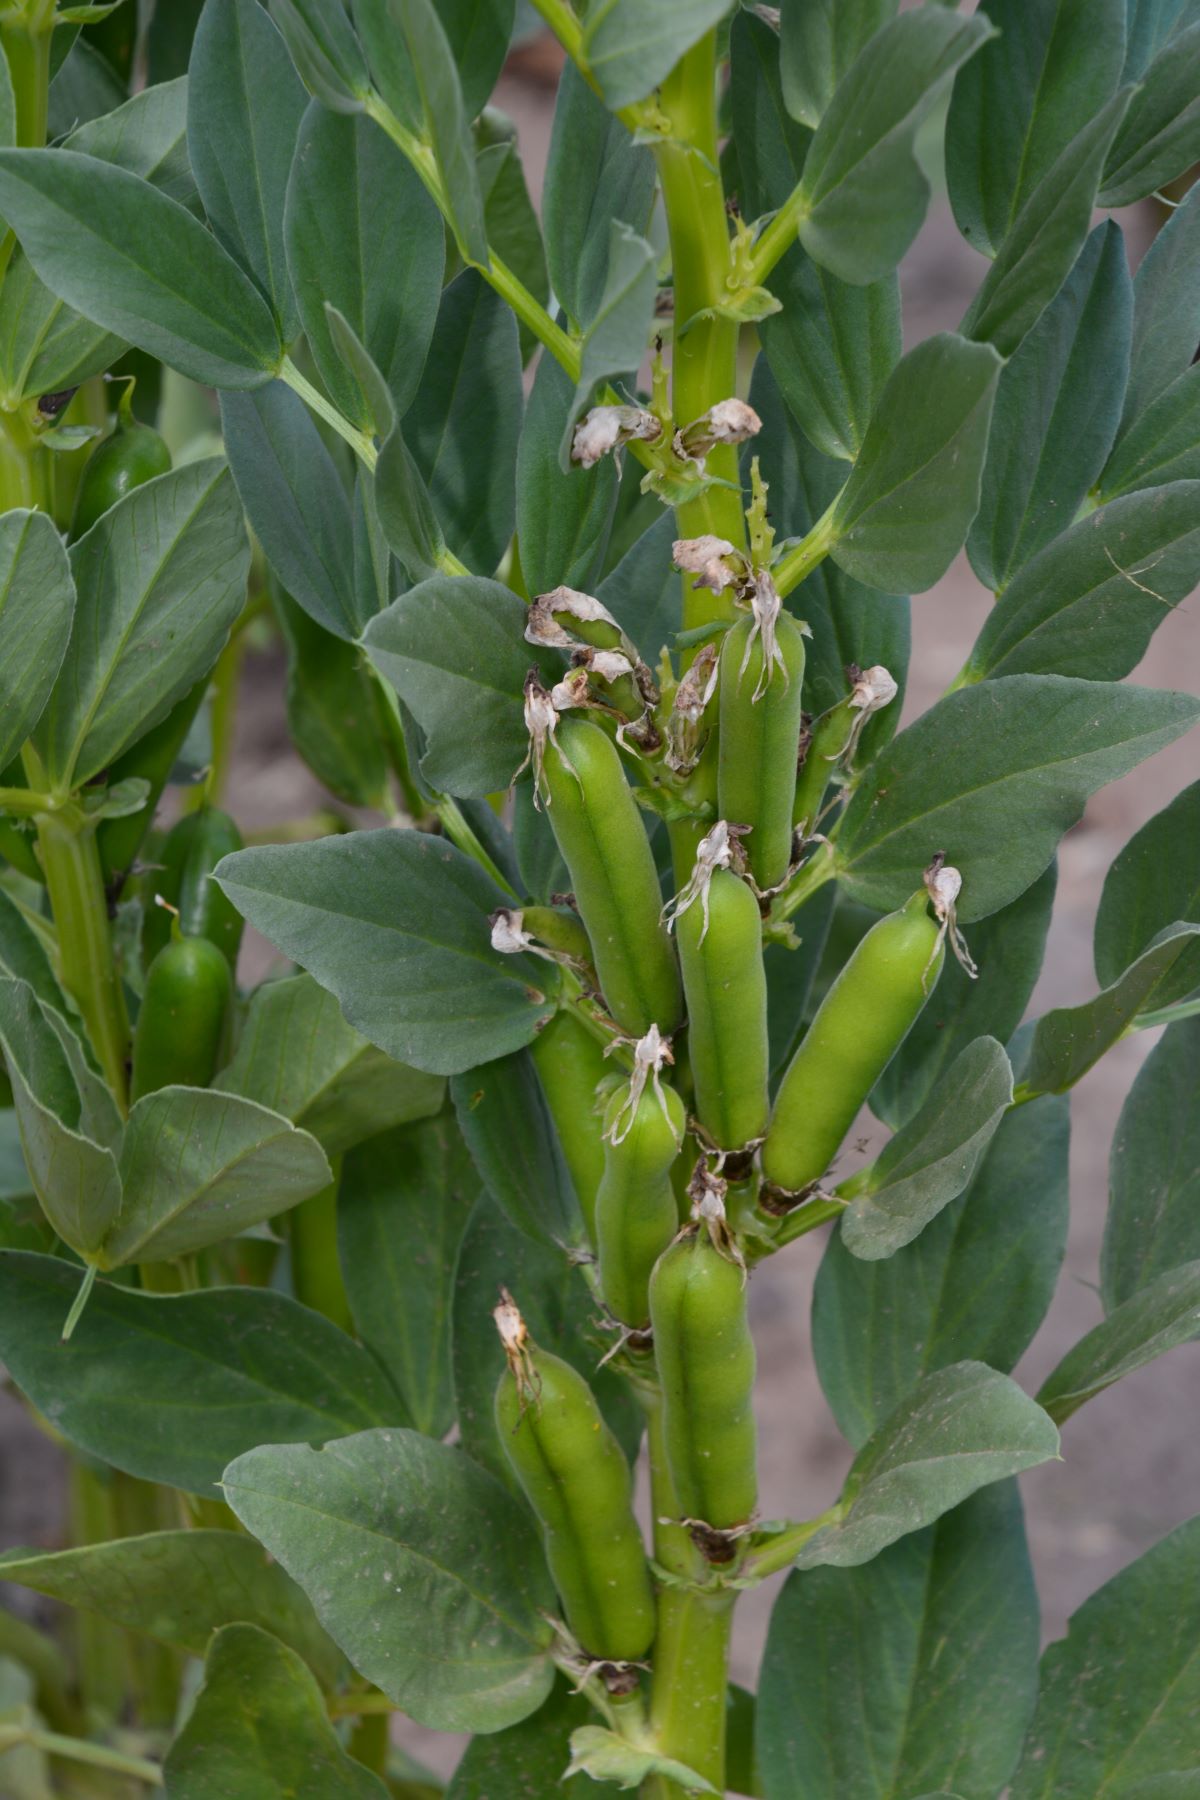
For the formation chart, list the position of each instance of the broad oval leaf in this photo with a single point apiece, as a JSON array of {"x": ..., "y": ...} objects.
[
  {"x": 920, "y": 1669},
  {"x": 994, "y": 775},
  {"x": 528, "y": 1758},
  {"x": 1159, "y": 136},
  {"x": 616, "y": 337},
  {"x": 1157, "y": 1317},
  {"x": 219, "y": 1371},
  {"x": 325, "y": 50},
  {"x": 817, "y": 45},
  {"x": 563, "y": 516},
  {"x": 1153, "y": 881},
  {"x": 395, "y": 924},
  {"x": 37, "y": 603},
  {"x": 476, "y": 31},
  {"x": 1162, "y": 445},
  {"x": 957, "y": 1430},
  {"x": 139, "y": 264},
  {"x": 630, "y": 45},
  {"x": 1153, "y": 1221},
  {"x": 1166, "y": 309},
  {"x": 418, "y": 1563},
  {"x": 503, "y": 1115},
  {"x": 332, "y": 707}
]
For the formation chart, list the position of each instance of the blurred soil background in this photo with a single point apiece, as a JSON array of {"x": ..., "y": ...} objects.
[{"x": 1131, "y": 1468}]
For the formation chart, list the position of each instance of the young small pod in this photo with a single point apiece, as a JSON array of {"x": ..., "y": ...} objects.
[
  {"x": 636, "y": 1211},
  {"x": 570, "y": 1065},
  {"x": 182, "y": 1028},
  {"x": 834, "y": 739},
  {"x": 182, "y": 875},
  {"x": 861, "y": 1023},
  {"x": 724, "y": 982},
  {"x": 705, "y": 1357},
  {"x": 760, "y": 717},
  {"x": 575, "y": 1477},
  {"x": 599, "y": 829}
]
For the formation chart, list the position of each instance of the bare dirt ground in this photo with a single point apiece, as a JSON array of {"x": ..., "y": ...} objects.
[{"x": 1131, "y": 1458}]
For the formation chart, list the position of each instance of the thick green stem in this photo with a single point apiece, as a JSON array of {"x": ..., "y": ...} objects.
[
  {"x": 26, "y": 47},
  {"x": 101, "y": 1649},
  {"x": 26, "y": 466}
]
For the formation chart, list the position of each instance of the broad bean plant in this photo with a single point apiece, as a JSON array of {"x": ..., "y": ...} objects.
[{"x": 359, "y": 1299}]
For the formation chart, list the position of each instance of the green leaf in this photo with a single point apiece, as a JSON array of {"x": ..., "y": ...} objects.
[
  {"x": 771, "y": 147},
  {"x": 327, "y": 55},
  {"x": 595, "y": 175},
  {"x": 1162, "y": 445},
  {"x": 994, "y": 775},
  {"x": 1159, "y": 136},
  {"x": 603, "y": 1755},
  {"x": 503, "y": 1115},
  {"x": 1008, "y": 949},
  {"x": 74, "y": 1177},
  {"x": 405, "y": 510},
  {"x": 395, "y": 924},
  {"x": 1017, "y": 106},
  {"x": 932, "y": 1158},
  {"x": 514, "y": 233},
  {"x": 528, "y": 1758},
  {"x": 477, "y": 32},
  {"x": 37, "y": 602},
  {"x": 84, "y": 86},
  {"x": 558, "y": 1308},
  {"x": 1153, "y": 1220},
  {"x": 902, "y": 516},
  {"x": 957, "y": 1430},
  {"x": 642, "y": 592},
  {"x": 23, "y": 955},
  {"x": 419, "y": 1564},
  {"x": 218, "y": 1371},
  {"x": 1054, "y": 423},
  {"x": 619, "y": 330},
  {"x": 296, "y": 503},
  {"x": 351, "y": 199},
  {"x": 260, "y": 1723},
  {"x": 331, "y": 709},
  {"x": 298, "y": 1056},
  {"x": 1119, "y": 1693},
  {"x": 863, "y": 194},
  {"x": 918, "y": 1671},
  {"x": 1040, "y": 248},
  {"x": 138, "y": 264},
  {"x": 159, "y": 581},
  {"x": 817, "y": 45},
  {"x": 452, "y": 647},
  {"x": 179, "y": 1587},
  {"x": 1089, "y": 603},
  {"x": 630, "y": 45},
  {"x": 1154, "y": 881},
  {"x": 244, "y": 109},
  {"x": 403, "y": 1204},
  {"x": 1069, "y": 1041},
  {"x": 563, "y": 516},
  {"x": 169, "y": 39},
  {"x": 1149, "y": 25},
  {"x": 148, "y": 136},
  {"x": 1157, "y": 1317},
  {"x": 463, "y": 425},
  {"x": 975, "y": 1285},
  {"x": 1166, "y": 310}
]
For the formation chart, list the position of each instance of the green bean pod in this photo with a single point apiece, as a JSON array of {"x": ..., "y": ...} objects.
[
  {"x": 575, "y": 1477},
  {"x": 725, "y": 986},
  {"x": 189, "y": 854},
  {"x": 131, "y": 455},
  {"x": 636, "y": 1211},
  {"x": 861, "y": 1023},
  {"x": 570, "y": 1065},
  {"x": 759, "y": 741},
  {"x": 182, "y": 1028},
  {"x": 599, "y": 831},
  {"x": 705, "y": 1357}
]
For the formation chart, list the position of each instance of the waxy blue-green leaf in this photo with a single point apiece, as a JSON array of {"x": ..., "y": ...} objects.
[
  {"x": 1149, "y": 25},
  {"x": 245, "y": 102},
  {"x": 395, "y": 923},
  {"x": 327, "y": 55},
  {"x": 605, "y": 1756},
  {"x": 1089, "y": 603},
  {"x": 1163, "y": 445},
  {"x": 403, "y": 1204},
  {"x": 453, "y": 649},
  {"x": 595, "y": 174},
  {"x": 1153, "y": 881},
  {"x": 179, "y": 1587},
  {"x": 1166, "y": 309},
  {"x": 1117, "y": 1710},
  {"x": 332, "y": 709},
  {"x": 1054, "y": 422},
  {"x": 917, "y": 1671},
  {"x": 833, "y": 346},
  {"x": 818, "y": 42},
  {"x": 903, "y": 515},
  {"x": 642, "y": 592},
  {"x": 619, "y": 330},
  {"x": 138, "y": 264},
  {"x": 84, "y": 85},
  {"x": 994, "y": 775},
  {"x": 260, "y": 1723},
  {"x": 1159, "y": 136},
  {"x": 1154, "y": 1319},
  {"x": 563, "y": 516},
  {"x": 863, "y": 193},
  {"x": 159, "y": 581},
  {"x": 503, "y": 1115},
  {"x": 405, "y": 511},
  {"x": 1041, "y": 246},
  {"x": 931, "y": 1159},
  {"x": 148, "y": 136},
  {"x": 465, "y": 420},
  {"x": 1016, "y": 106},
  {"x": 1153, "y": 1222},
  {"x": 477, "y": 32},
  {"x": 975, "y": 1285},
  {"x": 37, "y": 603},
  {"x": 218, "y": 1371},
  {"x": 295, "y": 502},
  {"x": 514, "y": 234},
  {"x": 959, "y": 1429},
  {"x": 297, "y": 1055},
  {"x": 352, "y": 198},
  {"x": 418, "y": 1563},
  {"x": 24, "y": 955},
  {"x": 629, "y": 46},
  {"x": 1069, "y": 1041},
  {"x": 528, "y": 1758}
]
